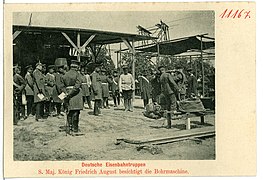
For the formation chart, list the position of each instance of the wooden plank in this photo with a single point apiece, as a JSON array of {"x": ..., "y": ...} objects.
[
  {"x": 70, "y": 41},
  {"x": 171, "y": 135},
  {"x": 16, "y": 33},
  {"x": 88, "y": 41}
]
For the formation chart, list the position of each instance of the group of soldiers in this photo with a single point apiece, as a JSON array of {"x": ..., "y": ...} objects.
[
  {"x": 166, "y": 87},
  {"x": 68, "y": 90}
]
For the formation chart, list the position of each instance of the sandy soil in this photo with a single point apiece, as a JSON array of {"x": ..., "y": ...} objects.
[{"x": 47, "y": 141}]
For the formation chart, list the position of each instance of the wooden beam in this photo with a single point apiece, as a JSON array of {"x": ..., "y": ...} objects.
[
  {"x": 88, "y": 41},
  {"x": 128, "y": 44},
  {"x": 70, "y": 41},
  {"x": 78, "y": 45},
  {"x": 16, "y": 33}
]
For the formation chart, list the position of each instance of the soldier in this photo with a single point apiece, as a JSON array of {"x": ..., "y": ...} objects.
[
  {"x": 169, "y": 91},
  {"x": 29, "y": 89},
  {"x": 97, "y": 90},
  {"x": 156, "y": 86},
  {"x": 72, "y": 82},
  {"x": 58, "y": 89},
  {"x": 18, "y": 88},
  {"x": 180, "y": 81},
  {"x": 39, "y": 91},
  {"x": 84, "y": 87},
  {"x": 50, "y": 83},
  {"x": 115, "y": 89},
  {"x": 191, "y": 83},
  {"x": 145, "y": 88},
  {"x": 105, "y": 81},
  {"x": 126, "y": 87},
  {"x": 88, "y": 98}
]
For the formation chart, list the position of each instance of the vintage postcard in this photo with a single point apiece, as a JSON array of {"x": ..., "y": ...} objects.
[{"x": 129, "y": 89}]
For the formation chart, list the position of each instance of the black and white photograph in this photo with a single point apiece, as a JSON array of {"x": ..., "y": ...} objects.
[{"x": 114, "y": 85}]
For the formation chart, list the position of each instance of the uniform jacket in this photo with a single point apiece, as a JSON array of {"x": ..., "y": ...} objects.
[
  {"x": 50, "y": 84},
  {"x": 115, "y": 84},
  {"x": 145, "y": 87},
  {"x": 84, "y": 86},
  {"x": 29, "y": 85},
  {"x": 58, "y": 88},
  {"x": 96, "y": 85},
  {"x": 126, "y": 82},
  {"x": 72, "y": 82},
  {"x": 168, "y": 85},
  {"x": 192, "y": 85},
  {"x": 105, "y": 81},
  {"x": 39, "y": 85},
  {"x": 19, "y": 84}
]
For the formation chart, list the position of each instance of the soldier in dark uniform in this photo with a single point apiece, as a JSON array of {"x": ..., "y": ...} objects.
[
  {"x": 97, "y": 90},
  {"x": 18, "y": 88},
  {"x": 191, "y": 83},
  {"x": 180, "y": 80},
  {"x": 84, "y": 87},
  {"x": 145, "y": 88},
  {"x": 58, "y": 89},
  {"x": 29, "y": 89},
  {"x": 115, "y": 88},
  {"x": 169, "y": 91},
  {"x": 39, "y": 91},
  {"x": 50, "y": 83},
  {"x": 88, "y": 98},
  {"x": 105, "y": 81},
  {"x": 156, "y": 86},
  {"x": 72, "y": 82}
]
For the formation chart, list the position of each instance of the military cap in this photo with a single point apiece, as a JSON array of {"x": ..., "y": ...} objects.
[
  {"x": 28, "y": 66},
  {"x": 103, "y": 70},
  {"x": 39, "y": 64},
  {"x": 124, "y": 67},
  {"x": 51, "y": 67},
  {"x": 75, "y": 63}
]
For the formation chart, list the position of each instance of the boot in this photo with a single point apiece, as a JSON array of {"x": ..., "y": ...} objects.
[
  {"x": 126, "y": 104},
  {"x": 130, "y": 105},
  {"x": 169, "y": 122}
]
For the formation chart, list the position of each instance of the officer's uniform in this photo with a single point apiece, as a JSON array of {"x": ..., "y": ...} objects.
[
  {"x": 145, "y": 88},
  {"x": 29, "y": 91},
  {"x": 85, "y": 88},
  {"x": 169, "y": 91},
  {"x": 18, "y": 88},
  {"x": 50, "y": 84},
  {"x": 39, "y": 88},
  {"x": 58, "y": 89},
  {"x": 105, "y": 81},
  {"x": 72, "y": 82},
  {"x": 115, "y": 89},
  {"x": 97, "y": 91}
]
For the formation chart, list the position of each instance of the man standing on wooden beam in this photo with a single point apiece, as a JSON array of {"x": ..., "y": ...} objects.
[{"x": 169, "y": 90}]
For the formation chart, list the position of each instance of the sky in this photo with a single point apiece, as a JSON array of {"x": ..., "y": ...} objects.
[{"x": 182, "y": 23}]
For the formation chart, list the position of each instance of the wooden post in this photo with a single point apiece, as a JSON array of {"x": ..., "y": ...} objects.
[
  {"x": 158, "y": 54},
  {"x": 78, "y": 45},
  {"x": 120, "y": 56},
  {"x": 188, "y": 123},
  {"x": 133, "y": 68},
  {"x": 203, "y": 75},
  {"x": 202, "y": 119}
]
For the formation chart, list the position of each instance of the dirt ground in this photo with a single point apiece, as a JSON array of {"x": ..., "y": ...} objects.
[{"x": 36, "y": 141}]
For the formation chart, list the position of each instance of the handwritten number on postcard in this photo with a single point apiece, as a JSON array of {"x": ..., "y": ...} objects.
[{"x": 239, "y": 13}]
